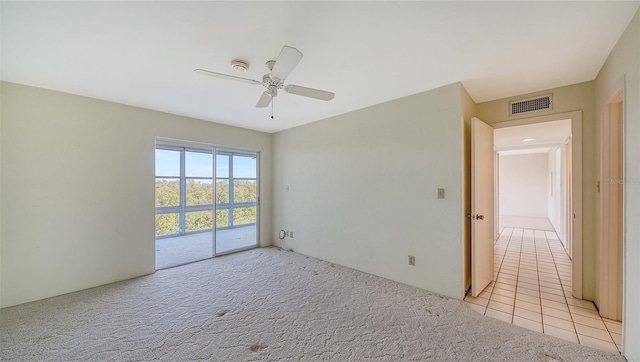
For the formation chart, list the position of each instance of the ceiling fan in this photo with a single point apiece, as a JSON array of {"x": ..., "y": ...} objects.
[{"x": 280, "y": 69}]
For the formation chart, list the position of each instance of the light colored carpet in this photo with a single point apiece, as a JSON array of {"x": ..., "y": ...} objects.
[
  {"x": 267, "y": 304},
  {"x": 526, "y": 222}
]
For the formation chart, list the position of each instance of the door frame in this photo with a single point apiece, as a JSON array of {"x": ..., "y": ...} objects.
[
  {"x": 231, "y": 152},
  {"x": 172, "y": 142},
  {"x": 612, "y": 239},
  {"x": 575, "y": 207},
  {"x": 497, "y": 222}
]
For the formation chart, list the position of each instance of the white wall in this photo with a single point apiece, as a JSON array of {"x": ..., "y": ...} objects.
[
  {"x": 524, "y": 185},
  {"x": 363, "y": 189},
  {"x": 78, "y": 188},
  {"x": 624, "y": 63}
]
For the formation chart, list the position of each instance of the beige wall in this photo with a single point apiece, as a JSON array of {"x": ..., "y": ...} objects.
[
  {"x": 576, "y": 97},
  {"x": 363, "y": 189},
  {"x": 624, "y": 64},
  {"x": 77, "y": 188}
]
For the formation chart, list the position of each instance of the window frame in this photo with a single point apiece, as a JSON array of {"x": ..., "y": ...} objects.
[
  {"x": 182, "y": 209},
  {"x": 232, "y": 205}
]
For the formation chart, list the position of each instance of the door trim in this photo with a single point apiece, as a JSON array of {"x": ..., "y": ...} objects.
[{"x": 576, "y": 186}]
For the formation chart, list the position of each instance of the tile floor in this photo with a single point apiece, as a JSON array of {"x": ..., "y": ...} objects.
[{"x": 532, "y": 289}]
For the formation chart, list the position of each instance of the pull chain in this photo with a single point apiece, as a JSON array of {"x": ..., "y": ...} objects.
[{"x": 272, "y": 101}]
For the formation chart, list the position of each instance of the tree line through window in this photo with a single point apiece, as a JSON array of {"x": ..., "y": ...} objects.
[{"x": 184, "y": 190}]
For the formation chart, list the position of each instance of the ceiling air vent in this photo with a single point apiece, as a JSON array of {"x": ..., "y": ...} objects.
[{"x": 536, "y": 104}]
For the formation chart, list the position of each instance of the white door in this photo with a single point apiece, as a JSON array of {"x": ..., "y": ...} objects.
[{"x": 482, "y": 205}]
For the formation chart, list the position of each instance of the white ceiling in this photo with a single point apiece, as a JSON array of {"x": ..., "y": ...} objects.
[
  {"x": 509, "y": 140},
  {"x": 144, "y": 53}
]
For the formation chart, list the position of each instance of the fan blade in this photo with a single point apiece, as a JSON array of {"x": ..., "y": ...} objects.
[
  {"x": 226, "y": 76},
  {"x": 309, "y": 92},
  {"x": 264, "y": 100},
  {"x": 287, "y": 60}
]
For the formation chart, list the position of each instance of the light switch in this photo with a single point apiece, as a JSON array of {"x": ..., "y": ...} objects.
[{"x": 441, "y": 193}]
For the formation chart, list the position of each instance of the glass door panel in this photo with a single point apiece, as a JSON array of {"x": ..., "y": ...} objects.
[
  {"x": 204, "y": 207},
  {"x": 236, "y": 201},
  {"x": 184, "y": 205}
]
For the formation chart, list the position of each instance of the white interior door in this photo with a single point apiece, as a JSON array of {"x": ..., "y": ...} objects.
[
  {"x": 612, "y": 212},
  {"x": 482, "y": 205}
]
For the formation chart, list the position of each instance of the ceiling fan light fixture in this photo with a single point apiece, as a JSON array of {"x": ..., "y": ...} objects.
[{"x": 239, "y": 65}]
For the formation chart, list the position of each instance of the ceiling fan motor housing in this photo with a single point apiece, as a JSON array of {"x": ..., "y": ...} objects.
[
  {"x": 272, "y": 84},
  {"x": 268, "y": 80}
]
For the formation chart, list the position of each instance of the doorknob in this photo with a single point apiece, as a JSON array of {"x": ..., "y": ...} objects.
[
  {"x": 476, "y": 216},
  {"x": 479, "y": 217}
]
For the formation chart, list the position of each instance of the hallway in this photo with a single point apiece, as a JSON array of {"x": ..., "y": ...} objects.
[{"x": 532, "y": 289}]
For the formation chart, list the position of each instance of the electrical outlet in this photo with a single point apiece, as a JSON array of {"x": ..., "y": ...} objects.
[
  {"x": 291, "y": 234},
  {"x": 412, "y": 260},
  {"x": 441, "y": 193},
  {"x": 286, "y": 233}
]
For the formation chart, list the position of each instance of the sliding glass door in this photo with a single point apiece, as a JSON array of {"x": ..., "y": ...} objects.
[
  {"x": 236, "y": 201},
  {"x": 185, "y": 207}
]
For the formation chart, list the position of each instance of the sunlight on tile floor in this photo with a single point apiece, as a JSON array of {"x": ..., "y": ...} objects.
[{"x": 532, "y": 289}]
